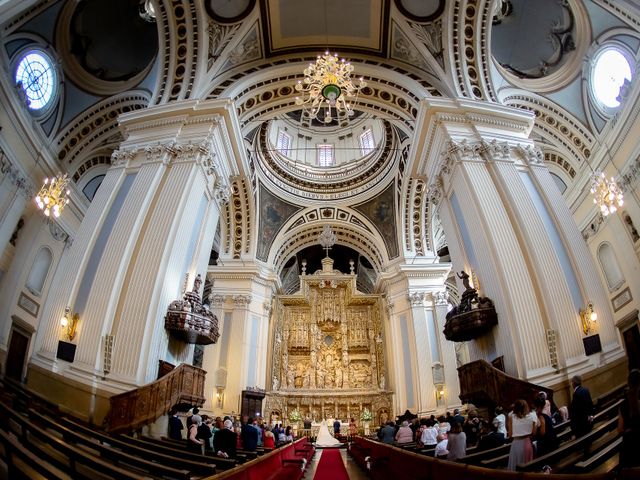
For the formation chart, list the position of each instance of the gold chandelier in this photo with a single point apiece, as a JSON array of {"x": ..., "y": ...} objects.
[
  {"x": 53, "y": 196},
  {"x": 606, "y": 193},
  {"x": 327, "y": 83}
]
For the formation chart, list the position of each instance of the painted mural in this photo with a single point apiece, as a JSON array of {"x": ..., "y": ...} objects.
[
  {"x": 274, "y": 213},
  {"x": 381, "y": 210}
]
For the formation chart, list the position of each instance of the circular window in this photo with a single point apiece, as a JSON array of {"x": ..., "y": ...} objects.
[
  {"x": 610, "y": 71},
  {"x": 37, "y": 76}
]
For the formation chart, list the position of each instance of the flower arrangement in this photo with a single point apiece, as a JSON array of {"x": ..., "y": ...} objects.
[
  {"x": 294, "y": 415},
  {"x": 365, "y": 415}
]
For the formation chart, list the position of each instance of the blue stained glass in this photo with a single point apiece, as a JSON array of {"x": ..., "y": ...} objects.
[{"x": 36, "y": 75}]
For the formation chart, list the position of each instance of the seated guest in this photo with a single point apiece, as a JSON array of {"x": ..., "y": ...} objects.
[
  {"x": 457, "y": 442},
  {"x": 249, "y": 436},
  {"x": 443, "y": 425},
  {"x": 175, "y": 426},
  {"x": 225, "y": 441},
  {"x": 405, "y": 434},
  {"x": 387, "y": 433},
  {"x": 521, "y": 426},
  {"x": 288, "y": 434},
  {"x": 500, "y": 422},
  {"x": 491, "y": 438},
  {"x": 546, "y": 439},
  {"x": 194, "y": 444},
  {"x": 204, "y": 432},
  {"x": 441, "y": 448},
  {"x": 471, "y": 427},
  {"x": 268, "y": 439},
  {"x": 457, "y": 417},
  {"x": 429, "y": 436}
]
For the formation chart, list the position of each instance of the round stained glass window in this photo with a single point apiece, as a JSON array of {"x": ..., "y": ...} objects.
[
  {"x": 37, "y": 76},
  {"x": 610, "y": 71}
]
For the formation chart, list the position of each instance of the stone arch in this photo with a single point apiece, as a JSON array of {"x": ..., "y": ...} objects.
[{"x": 303, "y": 229}]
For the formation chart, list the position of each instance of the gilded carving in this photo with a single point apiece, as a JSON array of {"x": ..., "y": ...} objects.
[{"x": 328, "y": 350}]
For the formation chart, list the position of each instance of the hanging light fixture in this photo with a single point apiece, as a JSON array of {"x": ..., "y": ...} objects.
[
  {"x": 53, "y": 196},
  {"x": 606, "y": 193},
  {"x": 327, "y": 86}
]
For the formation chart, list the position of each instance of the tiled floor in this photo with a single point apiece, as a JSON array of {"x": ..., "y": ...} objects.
[{"x": 353, "y": 470}]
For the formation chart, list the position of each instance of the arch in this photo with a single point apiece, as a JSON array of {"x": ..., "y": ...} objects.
[
  {"x": 353, "y": 230},
  {"x": 610, "y": 266},
  {"x": 39, "y": 271}
]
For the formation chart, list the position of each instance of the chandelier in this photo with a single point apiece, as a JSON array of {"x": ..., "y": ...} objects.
[
  {"x": 607, "y": 195},
  {"x": 52, "y": 197},
  {"x": 327, "y": 83}
]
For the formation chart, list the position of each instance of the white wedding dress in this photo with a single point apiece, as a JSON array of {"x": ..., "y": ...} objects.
[{"x": 324, "y": 438}]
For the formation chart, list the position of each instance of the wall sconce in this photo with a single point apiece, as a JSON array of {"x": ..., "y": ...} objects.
[
  {"x": 69, "y": 322},
  {"x": 588, "y": 317}
]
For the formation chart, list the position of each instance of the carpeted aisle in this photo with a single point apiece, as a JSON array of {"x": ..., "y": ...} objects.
[{"x": 331, "y": 466}]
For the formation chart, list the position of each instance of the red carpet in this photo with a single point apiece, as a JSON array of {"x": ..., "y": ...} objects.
[{"x": 331, "y": 466}]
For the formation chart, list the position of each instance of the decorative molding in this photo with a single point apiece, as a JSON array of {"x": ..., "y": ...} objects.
[
  {"x": 593, "y": 228},
  {"x": 241, "y": 301},
  {"x": 25, "y": 187},
  {"x": 219, "y": 38}
]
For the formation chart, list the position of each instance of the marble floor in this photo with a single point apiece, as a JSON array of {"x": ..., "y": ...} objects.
[{"x": 353, "y": 470}]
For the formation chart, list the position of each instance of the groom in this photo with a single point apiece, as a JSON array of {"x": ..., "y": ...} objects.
[{"x": 336, "y": 428}]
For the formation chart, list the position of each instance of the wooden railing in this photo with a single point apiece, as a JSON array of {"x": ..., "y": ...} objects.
[
  {"x": 486, "y": 386},
  {"x": 133, "y": 409}
]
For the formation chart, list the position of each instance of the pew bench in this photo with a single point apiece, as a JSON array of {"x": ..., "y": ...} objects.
[
  {"x": 70, "y": 459},
  {"x": 601, "y": 456},
  {"x": 135, "y": 457},
  {"x": 568, "y": 448}
]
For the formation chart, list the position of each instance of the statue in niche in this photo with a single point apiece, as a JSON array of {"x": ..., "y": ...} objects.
[
  {"x": 382, "y": 382},
  {"x": 329, "y": 378},
  {"x": 291, "y": 377},
  {"x": 320, "y": 373},
  {"x": 339, "y": 377},
  {"x": 306, "y": 378},
  {"x": 300, "y": 373},
  {"x": 275, "y": 382},
  {"x": 345, "y": 358}
]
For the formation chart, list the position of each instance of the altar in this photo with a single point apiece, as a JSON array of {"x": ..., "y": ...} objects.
[{"x": 328, "y": 356}]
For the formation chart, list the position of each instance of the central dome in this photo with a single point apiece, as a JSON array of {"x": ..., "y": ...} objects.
[{"x": 325, "y": 161}]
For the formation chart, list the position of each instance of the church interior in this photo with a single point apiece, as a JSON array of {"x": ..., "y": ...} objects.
[{"x": 317, "y": 210}]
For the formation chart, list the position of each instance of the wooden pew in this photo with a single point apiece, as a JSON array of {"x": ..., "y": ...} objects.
[
  {"x": 23, "y": 464},
  {"x": 141, "y": 458},
  {"x": 602, "y": 455},
  {"x": 43, "y": 444},
  {"x": 568, "y": 448}
]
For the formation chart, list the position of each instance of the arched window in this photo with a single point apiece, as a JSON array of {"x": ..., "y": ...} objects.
[
  {"x": 610, "y": 266},
  {"x": 36, "y": 75},
  {"x": 39, "y": 271}
]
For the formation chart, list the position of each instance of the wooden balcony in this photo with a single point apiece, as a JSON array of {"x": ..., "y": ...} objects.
[{"x": 131, "y": 410}]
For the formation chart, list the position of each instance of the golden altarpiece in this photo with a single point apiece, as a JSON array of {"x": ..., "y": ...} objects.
[{"x": 328, "y": 357}]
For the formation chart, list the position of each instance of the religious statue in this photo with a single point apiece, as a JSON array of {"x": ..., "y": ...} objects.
[
  {"x": 291, "y": 377},
  {"x": 275, "y": 382},
  {"x": 196, "y": 284},
  {"x": 339, "y": 377},
  {"x": 320, "y": 376},
  {"x": 382, "y": 382},
  {"x": 464, "y": 276},
  {"x": 306, "y": 378}
]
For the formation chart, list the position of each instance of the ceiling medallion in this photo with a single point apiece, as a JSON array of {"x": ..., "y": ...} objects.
[{"x": 327, "y": 83}]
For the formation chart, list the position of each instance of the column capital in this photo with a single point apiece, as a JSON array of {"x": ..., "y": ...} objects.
[{"x": 241, "y": 301}]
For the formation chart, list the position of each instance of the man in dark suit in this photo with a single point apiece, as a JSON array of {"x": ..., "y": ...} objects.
[
  {"x": 249, "y": 436},
  {"x": 225, "y": 441},
  {"x": 175, "y": 426},
  {"x": 581, "y": 408},
  {"x": 336, "y": 428}
]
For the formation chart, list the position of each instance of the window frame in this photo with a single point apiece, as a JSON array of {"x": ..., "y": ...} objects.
[
  {"x": 44, "y": 52},
  {"x": 364, "y": 149},
  {"x": 603, "y": 109},
  {"x": 322, "y": 147}
]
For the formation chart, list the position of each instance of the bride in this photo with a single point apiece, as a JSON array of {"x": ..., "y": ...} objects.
[{"x": 324, "y": 438}]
